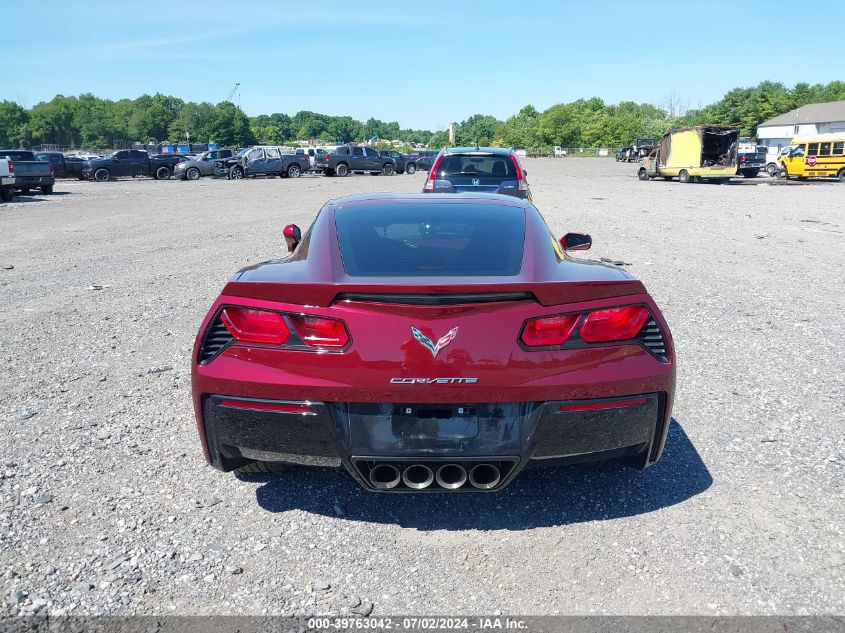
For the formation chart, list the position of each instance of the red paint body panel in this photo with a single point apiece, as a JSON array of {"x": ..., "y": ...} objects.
[{"x": 383, "y": 347}]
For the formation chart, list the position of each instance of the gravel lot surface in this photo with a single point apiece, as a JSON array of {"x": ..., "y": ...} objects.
[{"x": 106, "y": 504}]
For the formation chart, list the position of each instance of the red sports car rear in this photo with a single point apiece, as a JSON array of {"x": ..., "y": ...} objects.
[{"x": 432, "y": 343}]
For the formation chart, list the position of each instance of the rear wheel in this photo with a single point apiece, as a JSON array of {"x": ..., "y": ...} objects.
[
  {"x": 342, "y": 170},
  {"x": 193, "y": 173},
  {"x": 102, "y": 175},
  {"x": 262, "y": 467},
  {"x": 48, "y": 189},
  {"x": 6, "y": 195},
  {"x": 388, "y": 169},
  {"x": 410, "y": 168},
  {"x": 162, "y": 173},
  {"x": 750, "y": 173},
  {"x": 25, "y": 190},
  {"x": 294, "y": 171},
  {"x": 841, "y": 176},
  {"x": 642, "y": 174},
  {"x": 772, "y": 169},
  {"x": 684, "y": 176}
]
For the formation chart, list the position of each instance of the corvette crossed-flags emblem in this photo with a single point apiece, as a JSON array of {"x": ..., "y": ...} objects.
[{"x": 430, "y": 345}]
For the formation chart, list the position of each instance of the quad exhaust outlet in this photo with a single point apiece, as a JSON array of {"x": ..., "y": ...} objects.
[
  {"x": 417, "y": 476},
  {"x": 451, "y": 476},
  {"x": 385, "y": 476},
  {"x": 484, "y": 476}
]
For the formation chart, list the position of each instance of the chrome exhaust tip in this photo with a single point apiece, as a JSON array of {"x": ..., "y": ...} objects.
[
  {"x": 418, "y": 476},
  {"x": 385, "y": 476},
  {"x": 451, "y": 476},
  {"x": 484, "y": 476}
]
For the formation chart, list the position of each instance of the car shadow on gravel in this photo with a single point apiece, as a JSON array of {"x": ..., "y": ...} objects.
[{"x": 540, "y": 497}]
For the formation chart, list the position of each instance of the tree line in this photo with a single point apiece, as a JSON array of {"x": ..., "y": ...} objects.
[{"x": 88, "y": 121}]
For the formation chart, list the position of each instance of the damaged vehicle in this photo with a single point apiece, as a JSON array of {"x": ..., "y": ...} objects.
[
  {"x": 693, "y": 154},
  {"x": 432, "y": 343}
]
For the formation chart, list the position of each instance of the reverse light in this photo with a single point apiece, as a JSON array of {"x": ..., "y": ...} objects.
[
  {"x": 549, "y": 331},
  {"x": 320, "y": 332},
  {"x": 247, "y": 325},
  {"x": 600, "y": 406},
  {"x": 613, "y": 324},
  {"x": 276, "y": 407}
]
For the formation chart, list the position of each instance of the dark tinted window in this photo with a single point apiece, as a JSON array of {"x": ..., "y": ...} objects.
[
  {"x": 20, "y": 155},
  {"x": 485, "y": 166},
  {"x": 422, "y": 240}
]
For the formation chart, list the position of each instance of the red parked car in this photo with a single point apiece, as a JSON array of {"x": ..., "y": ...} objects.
[{"x": 432, "y": 343}]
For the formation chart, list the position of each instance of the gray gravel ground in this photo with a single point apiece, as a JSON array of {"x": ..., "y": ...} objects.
[{"x": 106, "y": 505}]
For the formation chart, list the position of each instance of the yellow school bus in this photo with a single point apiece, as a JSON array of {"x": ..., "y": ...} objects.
[
  {"x": 705, "y": 152},
  {"x": 821, "y": 156}
]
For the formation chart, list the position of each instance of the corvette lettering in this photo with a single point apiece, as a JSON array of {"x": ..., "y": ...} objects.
[{"x": 433, "y": 381}]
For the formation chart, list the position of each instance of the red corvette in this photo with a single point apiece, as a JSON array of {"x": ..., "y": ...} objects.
[{"x": 432, "y": 343}]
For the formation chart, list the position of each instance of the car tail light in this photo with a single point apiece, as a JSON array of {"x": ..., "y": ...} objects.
[
  {"x": 743, "y": 158},
  {"x": 520, "y": 177},
  {"x": 247, "y": 325},
  {"x": 613, "y": 324},
  {"x": 11, "y": 167},
  {"x": 320, "y": 332},
  {"x": 327, "y": 157},
  {"x": 432, "y": 174},
  {"x": 52, "y": 169},
  {"x": 549, "y": 331}
]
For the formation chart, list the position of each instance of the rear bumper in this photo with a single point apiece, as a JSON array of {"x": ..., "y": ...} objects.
[
  {"x": 361, "y": 436},
  {"x": 34, "y": 181}
]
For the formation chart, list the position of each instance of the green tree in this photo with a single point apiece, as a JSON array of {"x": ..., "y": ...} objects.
[{"x": 13, "y": 125}]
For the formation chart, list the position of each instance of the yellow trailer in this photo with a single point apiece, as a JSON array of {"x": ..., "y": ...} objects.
[{"x": 705, "y": 152}]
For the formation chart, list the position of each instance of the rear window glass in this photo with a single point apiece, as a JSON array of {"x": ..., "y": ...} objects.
[
  {"x": 17, "y": 155},
  {"x": 431, "y": 240},
  {"x": 481, "y": 166}
]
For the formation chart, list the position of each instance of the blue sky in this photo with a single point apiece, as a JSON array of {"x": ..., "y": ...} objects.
[{"x": 423, "y": 63}]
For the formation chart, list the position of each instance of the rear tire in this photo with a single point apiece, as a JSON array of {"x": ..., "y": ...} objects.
[
  {"x": 262, "y": 467},
  {"x": 6, "y": 195},
  {"x": 410, "y": 169},
  {"x": 342, "y": 170},
  {"x": 47, "y": 189},
  {"x": 841, "y": 176},
  {"x": 294, "y": 171},
  {"x": 772, "y": 169},
  {"x": 642, "y": 175},
  {"x": 388, "y": 169},
  {"x": 162, "y": 173},
  {"x": 750, "y": 173},
  {"x": 102, "y": 175},
  {"x": 684, "y": 176}
]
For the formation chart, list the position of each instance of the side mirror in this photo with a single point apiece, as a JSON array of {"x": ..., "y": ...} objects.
[
  {"x": 293, "y": 236},
  {"x": 576, "y": 242}
]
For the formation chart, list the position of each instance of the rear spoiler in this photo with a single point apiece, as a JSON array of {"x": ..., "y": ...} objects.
[{"x": 325, "y": 294}]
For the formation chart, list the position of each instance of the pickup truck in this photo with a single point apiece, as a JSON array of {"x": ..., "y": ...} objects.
[
  {"x": 63, "y": 166},
  {"x": 263, "y": 161},
  {"x": 29, "y": 172},
  {"x": 348, "y": 158},
  {"x": 130, "y": 162},
  {"x": 7, "y": 180},
  {"x": 405, "y": 163},
  {"x": 749, "y": 163}
]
